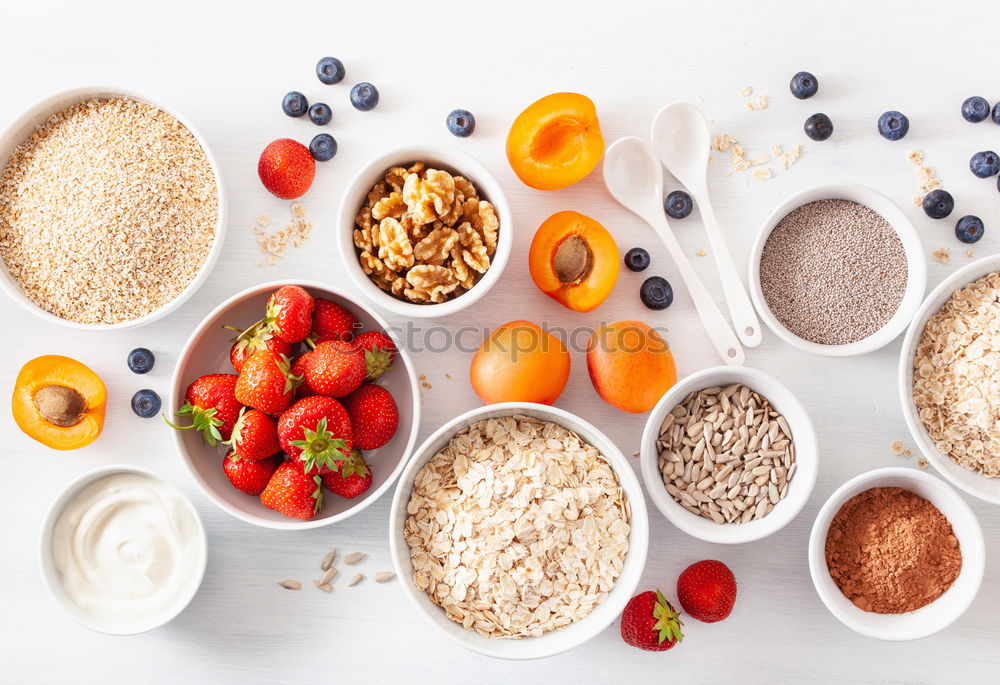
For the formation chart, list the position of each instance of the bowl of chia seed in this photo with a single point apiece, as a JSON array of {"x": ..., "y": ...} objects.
[{"x": 837, "y": 270}]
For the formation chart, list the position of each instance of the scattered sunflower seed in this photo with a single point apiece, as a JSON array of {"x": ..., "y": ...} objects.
[
  {"x": 356, "y": 579},
  {"x": 330, "y": 574},
  {"x": 384, "y": 576},
  {"x": 290, "y": 584},
  {"x": 328, "y": 560},
  {"x": 325, "y": 587},
  {"x": 354, "y": 557}
]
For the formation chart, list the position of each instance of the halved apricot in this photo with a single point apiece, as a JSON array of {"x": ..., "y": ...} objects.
[
  {"x": 556, "y": 141},
  {"x": 59, "y": 402},
  {"x": 520, "y": 362},
  {"x": 574, "y": 260}
]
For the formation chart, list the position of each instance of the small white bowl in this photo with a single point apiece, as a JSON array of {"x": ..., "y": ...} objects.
[
  {"x": 207, "y": 351},
  {"x": 25, "y": 124},
  {"x": 916, "y": 267},
  {"x": 439, "y": 157},
  {"x": 803, "y": 437},
  {"x": 972, "y": 482},
  {"x": 928, "y": 619},
  {"x": 555, "y": 641},
  {"x": 53, "y": 580}
]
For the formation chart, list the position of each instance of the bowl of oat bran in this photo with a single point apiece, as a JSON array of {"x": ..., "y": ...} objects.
[
  {"x": 111, "y": 209},
  {"x": 837, "y": 270},
  {"x": 487, "y": 508},
  {"x": 949, "y": 378}
]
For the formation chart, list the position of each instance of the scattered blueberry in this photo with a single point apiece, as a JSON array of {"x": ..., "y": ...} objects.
[
  {"x": 140, "y": 360},
  {"x": 985, "y": 164},
  {"x": 323, "y": 147},
  {"x": 656, "y": 293},
  {"x": 636, "y": 259},
  {"x": 678, "y": 204},
  {"x": 364, "y": 96},
  {"x": 461, "y": 123},
  {"x": 146, "y": 404},
  {"x": 893, "y": 125},
  {"x": 969, "y": 229},
  {"x": 804, "y": 85},
  {"x": 938, "y": 204},
  {"x": 330, "y": 70},
  {"x": 294, "y": 104},
  {"x": 819, "y": 127},
  {"x": 975, "y": 109},
  {"x": 320, "y": 113},
  {"x": 996, "y": 113}
]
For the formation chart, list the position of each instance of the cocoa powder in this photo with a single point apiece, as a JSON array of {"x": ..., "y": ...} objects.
[{"x": 891, "y": 551}]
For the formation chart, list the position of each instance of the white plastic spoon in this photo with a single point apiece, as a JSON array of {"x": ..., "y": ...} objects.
[
  {"x": 682, "y": 140},
  {"x": 634, "y": 178}
]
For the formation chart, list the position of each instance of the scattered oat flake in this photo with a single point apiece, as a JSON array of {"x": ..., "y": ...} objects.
[
  {"x": 942, "y": 254},
  {"x": 762, "y": 174},
  {"x": 358, "y": 577},
  {"x": 723, "y": 142},
  {"x": 970, "y": 254},
  {"x": 918, "y": 200},
  {"x": 699, "y": 253},
  {"x": 425, "y": 384},
  {"x": 290, "y": 584},
  {"x": 907, "y": 452},
  {"x": 263, "y": 220},
  {"x": 384, "y": 576},
  {"x": 750, "y": 105},
  {"x": 762, "y": 101},
  {"x": 746, "y": 91},
  {"x": 922, "y": 462},
  {"x": 776, "y": 150},
  {"x": 354, "y": 557},
  {"x": 762, "y": 158},
  {"x": 916, "y": 157},
  {"x": 897, "y": 447}
]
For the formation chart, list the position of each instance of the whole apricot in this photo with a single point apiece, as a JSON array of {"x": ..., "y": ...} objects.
[
  {"x": 574, "y": 260},
  {"x": 59, "y": 402},
  {"x": 520, "y": 362},
  {"x": 630, "y": 365}
]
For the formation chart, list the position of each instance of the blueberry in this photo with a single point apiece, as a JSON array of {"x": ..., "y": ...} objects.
[
  {"x": 819, "y": 127},
  {"x": 323, "y": 147},
  {"x": 893, "y": 125},
  {"x": 678, "y": 204},
  {"x": 656, "y": 293},
  {"x": 294, "y": 104},
  {"x": 320, "y": 113},
  {"x": 996, "y": 113},
  {"x": 804, "y": 85},
  {"x": 364, "y": 96},
  {"x": 636, "y": 259},
  {"x": 969, "y": 229},
  {"x": 938, "y": 204},
  {"x": 140, "y": 360},
  {"x": 985, "y": 164},
  {"x": 146, "y": 404},
  {"x": 461, "y": 123},
  {"x": 330, "y": 70},
  {"x": 975, "y": 109}
]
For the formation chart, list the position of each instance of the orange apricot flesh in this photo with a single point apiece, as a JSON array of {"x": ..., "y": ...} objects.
[{"x": 59, "y": 402}]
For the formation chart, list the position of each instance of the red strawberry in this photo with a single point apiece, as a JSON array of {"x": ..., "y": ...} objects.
[
  {"x": 255, "y": 435},
  {"x": 212, "y": 405},
  {"x": 266, "y": 382},
  {"x": 249, "y": 476},
  {"x": 353, "y": 478},
  {"x": 289, "y": 313},
  {"x": 330, "y": 321},
  {"x": 379, "y": 350},
  {"x": 317, "y": 432},
  {"x": 286, "y": 168},
  {"x": 299, "y": 371},
  {"x": 707, "y": 590},
  {"x": 374, "y": 416},
  {"x": 335, "y": 368},
  {"x": 293, "y": 493},
  {"x": 254, "y": 339},
  {"x": 650, "y": 623}
]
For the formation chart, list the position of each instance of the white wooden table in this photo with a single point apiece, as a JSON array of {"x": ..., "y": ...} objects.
[{"x": 227, "y": 68}]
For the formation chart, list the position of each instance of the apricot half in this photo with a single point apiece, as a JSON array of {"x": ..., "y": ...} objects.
[
  {"x": 574, "y": 260},
  {"x": 556, "y": 141},
  {"x": 520, "y": 362},
  {"x": 630, "y": 365},
  {"x": 59, "y": 402}
]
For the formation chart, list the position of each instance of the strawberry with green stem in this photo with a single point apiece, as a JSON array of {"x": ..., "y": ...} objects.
[
  {"x": 289, "y": 313},
  {"x": 266, "y": 382},
  {"x": 374, "y": 416},
  {"x": 211, "y": 403},
  {"x": 650, "y": 623},
  {"x": 379, "y": 351},
  {"x": 316, "y": 431},
  {"x": 248, "y": 476},
  {"x": 353, "y": 478},
  {"x": 255, "y": 435},
  {"x": 331, "y": 321},
  {"x": 255, "y": 338},
  {"x": 293, "y": 493}
]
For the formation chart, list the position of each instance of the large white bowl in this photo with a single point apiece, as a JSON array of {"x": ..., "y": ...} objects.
[
  {"x": 439, "y": 157},
  {"x": 915, "y": 260},
  {"x": 803, "y": 437},
  {"x": 53, "y": 581},
  {"x": 207, "y": 351},
  {"x": 25, "y": 124},
  {"x": 972, "y": 482},
  {"x": 555, "y": 641},
  {"x": 928, "y": 619}
]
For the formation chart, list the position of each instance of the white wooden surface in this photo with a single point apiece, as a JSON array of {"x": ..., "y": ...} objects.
[{"x": 226, "y": 68}]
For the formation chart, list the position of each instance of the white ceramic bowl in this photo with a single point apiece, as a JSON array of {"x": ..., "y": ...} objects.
[
  {"x": 555, "y": 641},
  {"x": 440, "y": 157},
  {"x": 931, "y": 618},
  {"x": 207, "y": 351},
  {"x": 53, "y": 580},
  {"x": 25, "y": 124},
  {"x": 803, "y": 437},
  {"x": 916, "y": 267},
  {"x": 972, "y": 482}
]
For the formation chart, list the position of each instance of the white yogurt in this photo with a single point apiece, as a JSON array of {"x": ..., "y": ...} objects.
[{"x": 126, "y": 550}]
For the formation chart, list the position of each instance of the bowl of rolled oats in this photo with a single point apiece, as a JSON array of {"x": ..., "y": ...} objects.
[
  {"x": 425, "y": 230},
  {"x": 519, "y": 530},
  {"x": 111, "y": 209},
  {"x": 949, "y": 383}
]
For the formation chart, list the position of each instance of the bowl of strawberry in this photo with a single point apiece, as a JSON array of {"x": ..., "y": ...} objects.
[{"x": 294, "y": 407}]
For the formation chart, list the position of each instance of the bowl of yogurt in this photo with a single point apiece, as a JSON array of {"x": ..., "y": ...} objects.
[{"x": 123, "y": 550}]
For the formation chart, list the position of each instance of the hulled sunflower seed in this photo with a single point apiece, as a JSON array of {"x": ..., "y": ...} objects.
[
  {"x": 328, "y": 560},
  {"x": 384, "y": 576},
  {"x": 354, "y": 557},
  {"x": 358, "y": 577},
  {"x": 290, "y": 584}
]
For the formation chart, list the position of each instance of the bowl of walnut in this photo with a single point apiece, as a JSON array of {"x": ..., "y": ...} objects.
[{"x": 424, "y": 230}]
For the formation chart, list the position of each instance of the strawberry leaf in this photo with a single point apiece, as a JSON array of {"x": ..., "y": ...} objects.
[
  {"x": 203, "y": 420},
  {"x": 320, "y": 448},
  {"x": 668, "y": 621},
  {"x": 317, "y": 494},
  {"x": 378, "y": 360}
]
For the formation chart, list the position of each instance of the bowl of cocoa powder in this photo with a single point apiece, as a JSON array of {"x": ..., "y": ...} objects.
[{"x": 896, "y": 554}]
